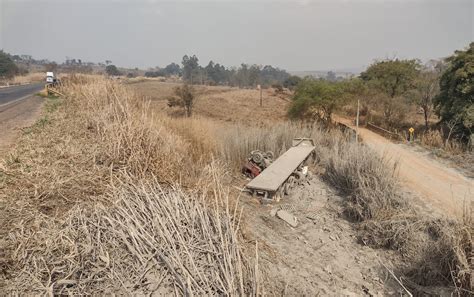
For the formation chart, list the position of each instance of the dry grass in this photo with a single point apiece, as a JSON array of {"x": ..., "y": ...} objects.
[
  {"x": 221, "y": 103},
  {"x": 368, "y": 180},
  {"x": 146, "y": 239},
  {"x": 125, "y": 225},
  {"x": 432, "y": 138},
  {"x": 438, "y": 250},
  {"x": 96, "y": 204},
  {"x": 25, "y": 79},
  {"x": 435, "y": 139}
]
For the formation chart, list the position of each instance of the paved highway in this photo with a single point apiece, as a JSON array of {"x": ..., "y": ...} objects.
[{"x": 17, "y": 93}]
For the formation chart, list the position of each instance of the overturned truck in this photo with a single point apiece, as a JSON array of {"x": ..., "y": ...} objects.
[{"x": 279, "y": 177}]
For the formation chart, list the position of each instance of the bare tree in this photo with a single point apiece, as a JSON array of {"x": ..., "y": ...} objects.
[
  {"x": 451, "y": 124},
  {"x": 426, "y": 89}
]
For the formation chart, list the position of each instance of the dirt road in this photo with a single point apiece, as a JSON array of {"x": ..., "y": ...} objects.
[{"x": 438, "y": 185}]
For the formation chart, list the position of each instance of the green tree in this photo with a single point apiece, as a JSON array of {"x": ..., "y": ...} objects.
[
  {"x": 393, "y": 77},
  {"x": 455, "y": 102},
  {"x": 191, "y": 69},
  {"x": 112, "y": 70},
  {"x": 316, "y": 98},
  {"x": 172, "y": 69},
  {"x": 212, "y": 72},
  {"x": 8, "y": 68},
  {"x": 291, "y": 82}
]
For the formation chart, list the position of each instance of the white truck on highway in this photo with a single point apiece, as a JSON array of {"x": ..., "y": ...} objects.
[{"x": 50, "y": 77}]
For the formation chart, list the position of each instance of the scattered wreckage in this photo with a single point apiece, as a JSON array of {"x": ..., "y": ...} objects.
[{"x": 274, "y": 179}]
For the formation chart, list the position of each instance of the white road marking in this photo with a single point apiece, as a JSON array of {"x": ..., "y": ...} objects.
[{"x": 17, "y": 100}]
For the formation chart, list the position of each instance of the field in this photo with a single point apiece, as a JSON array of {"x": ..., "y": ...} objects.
[
  {"x": 112, "y": 191},
  {"x": 221, "y": 103}
]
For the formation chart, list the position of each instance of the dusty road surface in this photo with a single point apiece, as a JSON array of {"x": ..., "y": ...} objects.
[
  {"x": 13, "y": 94},
  {"x": 18, "y": 109},
  {"x": 438, "y": 185}
]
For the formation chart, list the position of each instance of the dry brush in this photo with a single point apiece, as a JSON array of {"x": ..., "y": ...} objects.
[{"x": 93, "y": 201}]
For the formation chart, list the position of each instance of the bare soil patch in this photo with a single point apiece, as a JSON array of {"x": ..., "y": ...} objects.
[{"x": 322, "y": 255}]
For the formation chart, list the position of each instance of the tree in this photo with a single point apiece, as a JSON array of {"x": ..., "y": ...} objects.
[
  {"x": 426, "y": 89},
  {"x": 393, "y": 77},
  {"x": 184, "y": 97},
  {"x": 211, "y": 72},
  {"x": 8, "y": 68},
  {"x": 172, "y": 69},
  {"x": 112, "y": 70},
  {"x": 455, "y": 102},
  {"x": 191, "y": 69},
  {"x": 291, "y": 82},
  {"x": 331, "y": 76},
  {"x": 316, "y": 98},
  {"x": 270, "y": 75},
  {"x": 157, "y": 73}
]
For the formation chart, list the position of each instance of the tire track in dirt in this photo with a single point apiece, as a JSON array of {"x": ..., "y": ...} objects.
[{"x": 436, "y": 184}]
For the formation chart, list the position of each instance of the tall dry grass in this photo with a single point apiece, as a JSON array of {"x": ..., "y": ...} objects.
[
  {"x": 367, "y": 179},
  {"x": 130, "y": 227},
  {"x": 146, "y": 239},
  {"x": 232, "y": 142},
  {"x": 437, "y": 250},
  {"x": 435, "y": 139},
  {"x": 25, "y": 79}
]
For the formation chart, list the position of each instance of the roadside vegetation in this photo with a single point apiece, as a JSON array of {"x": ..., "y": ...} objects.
[
  {"x": 81, "y": 188},
  {"x": 438, "y": 249},
  {"x": 105, "y": 197},
  {"x": 83, "y": 184},
  {"x": 399, "y": 94}
]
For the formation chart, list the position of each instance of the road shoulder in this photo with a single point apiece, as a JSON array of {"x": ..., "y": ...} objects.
[{"x": 16, "y": 117}]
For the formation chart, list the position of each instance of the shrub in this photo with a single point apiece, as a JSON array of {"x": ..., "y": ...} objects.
[
  {"x": 8, "y": 68},
  {"x": 184, "y": 97},
  {"x": 112, "y": 70}
]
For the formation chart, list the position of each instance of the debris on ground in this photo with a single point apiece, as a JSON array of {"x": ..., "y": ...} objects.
[{"x": 287, "y": 217}]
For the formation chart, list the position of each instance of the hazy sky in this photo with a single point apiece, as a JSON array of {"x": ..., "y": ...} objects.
[{"x": 294, "y": 35}]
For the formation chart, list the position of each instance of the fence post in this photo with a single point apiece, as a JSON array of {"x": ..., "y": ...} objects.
[{"x": 357, "y": 122}]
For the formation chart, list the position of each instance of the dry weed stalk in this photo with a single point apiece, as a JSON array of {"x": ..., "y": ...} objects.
[
  {"x": 140, "y": 232},
  {"x": 147, "y": 239}
]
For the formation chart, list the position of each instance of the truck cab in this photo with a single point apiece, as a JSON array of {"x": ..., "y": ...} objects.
[{"x": 50, "y": 77}]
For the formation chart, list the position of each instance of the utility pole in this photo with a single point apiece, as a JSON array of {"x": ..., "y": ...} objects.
[
  {"x": 357, "y": 123},
  {"x": 260, "y": 88}
]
